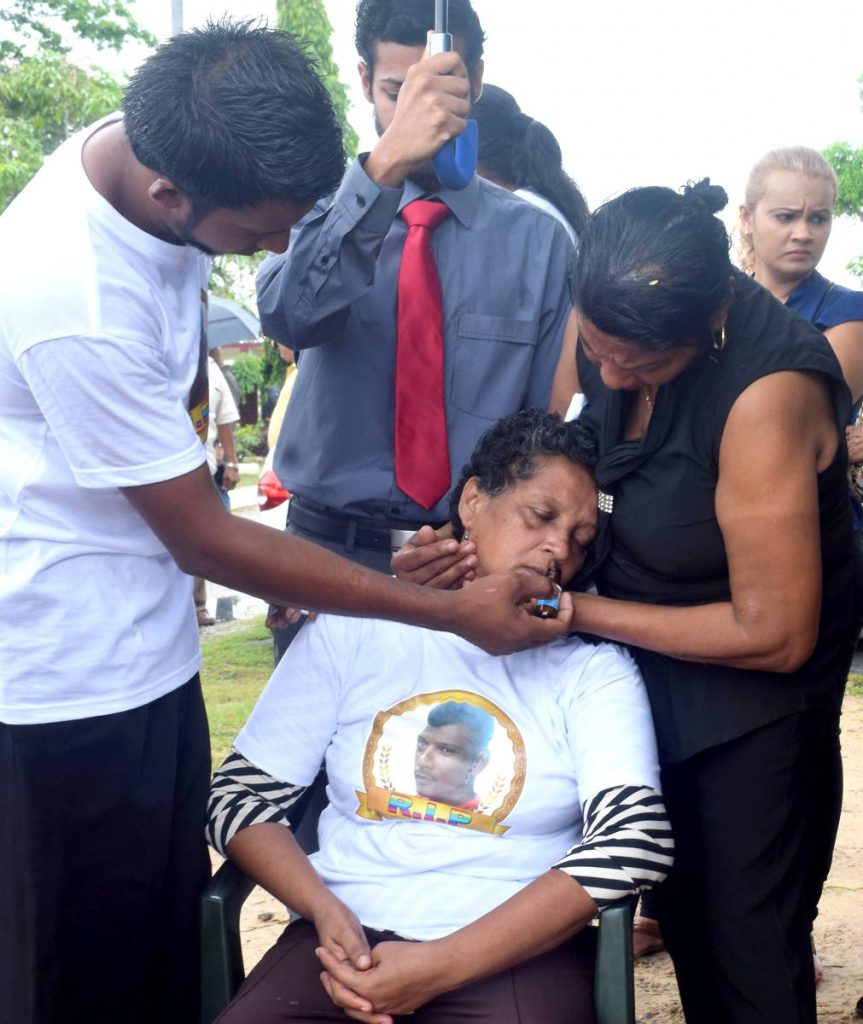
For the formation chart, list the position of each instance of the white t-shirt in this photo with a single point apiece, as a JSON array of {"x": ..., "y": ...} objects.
[
  {"x": 102, "y": 366},
  {"x": 456, "y": 778},
  {"x": 543, "y": 204},
  {"x": 223, "y": 409}
]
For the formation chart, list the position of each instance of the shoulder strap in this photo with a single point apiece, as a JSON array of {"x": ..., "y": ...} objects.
[{"x": 820, "y": 307}]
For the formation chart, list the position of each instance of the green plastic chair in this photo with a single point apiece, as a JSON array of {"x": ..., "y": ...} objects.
[{"x": 222, "y": 959}]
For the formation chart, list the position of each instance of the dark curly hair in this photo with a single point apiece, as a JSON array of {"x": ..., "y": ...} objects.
[
  {"x": 235, "y": 114},
  {"x": 653, "y": 266},
  {"x": 506, "y": 454},
  {"x": 406, "y": 22}
]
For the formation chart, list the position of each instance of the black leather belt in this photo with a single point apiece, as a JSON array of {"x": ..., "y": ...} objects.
[{"x": 374, "y": 534}]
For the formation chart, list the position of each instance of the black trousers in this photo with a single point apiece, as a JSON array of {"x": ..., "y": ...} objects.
[
  {"x": 102, "y": 860},
  {"x": 751, "y": 852},
  {"x": 829, "y": 784}
]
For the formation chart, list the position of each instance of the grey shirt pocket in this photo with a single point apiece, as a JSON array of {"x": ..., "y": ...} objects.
[{"x": 489, "y": 364}]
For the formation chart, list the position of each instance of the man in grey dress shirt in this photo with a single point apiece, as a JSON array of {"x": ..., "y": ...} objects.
[{"x": 503, "y": 267}]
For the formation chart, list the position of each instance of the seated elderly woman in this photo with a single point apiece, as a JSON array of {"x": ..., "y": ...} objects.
[{"x": 483, "y": 807}]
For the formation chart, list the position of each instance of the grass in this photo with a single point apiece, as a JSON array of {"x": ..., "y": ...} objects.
[
  {"x": 855, "y": 684},
  {"x": 236, "y": 666}
]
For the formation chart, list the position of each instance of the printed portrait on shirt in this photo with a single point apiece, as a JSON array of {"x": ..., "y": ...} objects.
[{"x": 451, "y": 757}]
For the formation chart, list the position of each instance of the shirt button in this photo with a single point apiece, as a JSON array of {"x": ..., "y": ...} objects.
[{"x": 361, "y": 201}]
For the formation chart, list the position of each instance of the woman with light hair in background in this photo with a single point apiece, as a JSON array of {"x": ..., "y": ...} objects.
[
  {"x": 784, "y": 228},
  {"x": 785, "y": 224}
]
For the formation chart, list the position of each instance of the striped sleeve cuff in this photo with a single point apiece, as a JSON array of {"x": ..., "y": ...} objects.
[
  {"x": 627, "y": 845},
  {"x": 241, "y": 794}
]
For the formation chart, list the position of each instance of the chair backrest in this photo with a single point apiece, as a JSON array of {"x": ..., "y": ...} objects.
[{"x": 314, "y": 800}]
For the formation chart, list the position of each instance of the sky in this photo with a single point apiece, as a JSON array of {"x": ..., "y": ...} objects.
[{"x": 651, "y": 93}]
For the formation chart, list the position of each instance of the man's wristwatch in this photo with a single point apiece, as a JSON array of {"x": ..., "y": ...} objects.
[{"x": 230, "y": 465}]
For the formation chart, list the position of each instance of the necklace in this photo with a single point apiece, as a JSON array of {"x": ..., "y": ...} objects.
[{"x": 647, "y": 398}]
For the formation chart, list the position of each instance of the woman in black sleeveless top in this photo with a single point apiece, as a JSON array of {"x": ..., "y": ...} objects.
[{"x": 718, "y": 414}]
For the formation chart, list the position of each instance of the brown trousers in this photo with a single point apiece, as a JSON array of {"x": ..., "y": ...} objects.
[{"x": 554, "y": 988}]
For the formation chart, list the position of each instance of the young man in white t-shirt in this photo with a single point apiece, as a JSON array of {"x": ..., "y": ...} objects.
[{"x": 227, "y": 138}]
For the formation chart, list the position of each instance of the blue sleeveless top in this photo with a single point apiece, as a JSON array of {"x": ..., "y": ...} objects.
[{"x": 824, "y": 303}]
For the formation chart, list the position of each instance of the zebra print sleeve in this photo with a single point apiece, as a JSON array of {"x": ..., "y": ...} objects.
[
  {"x": 627, "y": 845},
  {"x": 241, "y": 795}
]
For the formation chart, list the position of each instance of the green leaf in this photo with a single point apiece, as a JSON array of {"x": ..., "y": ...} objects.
[
  {"x": 53, "y": 25},
  {"x": 21, "y": 155},
  {"x": 847, "y": 162},
  {"x": 308, "y": 21},
  {"x": 248, "y": 370},
  {"x": 43, "y": 100}
]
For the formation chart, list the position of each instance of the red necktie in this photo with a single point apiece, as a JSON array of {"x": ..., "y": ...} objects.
[{"x": 421, "y": 448}]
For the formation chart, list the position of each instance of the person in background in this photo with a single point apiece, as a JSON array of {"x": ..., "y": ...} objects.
[
  {"x": 409, "y": 351},
  {"x": 228, "y": 374},
  {"x": 523, "y": 156},
  {"x": 287, "y": 389},
  {"x": 785, "y": 225},
  {"x": 221, "y": 434},
  {"x": 221, "y": 460},
  {"x": 483, "y": 807}
]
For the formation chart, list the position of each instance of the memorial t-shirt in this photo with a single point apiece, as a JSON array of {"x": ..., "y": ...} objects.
[
  {"x": 456, "y": 777},
  {"x": 103, "y": 385}
]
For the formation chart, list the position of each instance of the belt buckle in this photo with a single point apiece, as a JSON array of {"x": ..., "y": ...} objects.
[{"x": 398, "y": 538}]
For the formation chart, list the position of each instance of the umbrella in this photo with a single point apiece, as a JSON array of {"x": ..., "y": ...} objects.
[
  {"x": 455, "y": 163},
  {"x": 229, "y": 323}
]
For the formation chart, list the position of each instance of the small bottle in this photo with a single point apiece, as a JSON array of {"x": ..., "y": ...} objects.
[{"x": 547, "y": 607}]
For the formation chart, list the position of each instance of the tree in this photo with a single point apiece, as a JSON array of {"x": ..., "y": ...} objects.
[
  {"x": 44, "y": 96},
  {"x": 43, "y": 100},
  {"x": 54, "y": 97},
  {"x": 308, "y": 21},
  {"x": 847, "y": 162},
  {"x": 52, "y": 25}
]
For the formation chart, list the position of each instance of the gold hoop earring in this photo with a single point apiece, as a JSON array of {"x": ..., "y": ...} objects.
[{"x": 720, "y": 339}]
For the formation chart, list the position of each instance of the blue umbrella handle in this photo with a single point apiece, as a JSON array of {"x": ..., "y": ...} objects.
[{"x": 455, "y": 162}]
